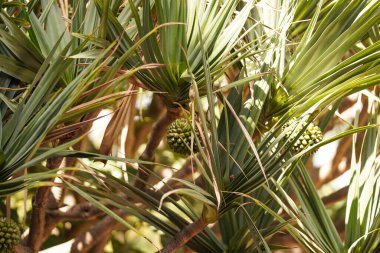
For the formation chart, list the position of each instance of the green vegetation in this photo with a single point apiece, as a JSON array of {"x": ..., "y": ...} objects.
[{"x": 245, "y": 91}]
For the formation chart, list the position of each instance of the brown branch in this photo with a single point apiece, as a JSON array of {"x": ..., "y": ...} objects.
[
  {"x": 88, "y": 119},
  {"x": 344, "y": 150},
  {"x": 22, "y": 249},
  {"x": 86, "y": 240},
  {"x": 81, "y": 244},
  {"x": 110, "y": 223},
  {"x": 185, "y": 235},
  {"x": 142, "y": 129},
  {"x": 157, "y": 134},
  {"x": 41, "y": 225},
  {"x": 99, "y": 247},
  {"x": 50, "y": 221},
  {"x": 95, "y": 234},
  {"x": 83, "y": 211},
  {"x": 40, "y": 201},
  {"x": 61, "y": 248},
  {"x": 78, "y": 229},
  {"x": 87, "y": 236},
  {"x": 335, "y": 197},
  {"x": 37, "y": 222},
  {"x": 344, "y": 147}
]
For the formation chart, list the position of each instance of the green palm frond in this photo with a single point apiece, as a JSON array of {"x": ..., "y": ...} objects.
[
  {"x": 177, "y": 43},
  {"x": 314, "y": 66},
  {"x": 362, "y": 211},
  {"x": 315, "y": 229}
]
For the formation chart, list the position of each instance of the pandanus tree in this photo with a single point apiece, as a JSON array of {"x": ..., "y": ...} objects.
[{"x": 242, "y": 90}]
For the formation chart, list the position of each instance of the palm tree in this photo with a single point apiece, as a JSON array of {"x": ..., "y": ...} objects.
[{"x": 247, "y": 88}]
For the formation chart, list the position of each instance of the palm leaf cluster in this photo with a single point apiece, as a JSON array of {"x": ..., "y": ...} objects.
[{"x": 236, "y": 72}]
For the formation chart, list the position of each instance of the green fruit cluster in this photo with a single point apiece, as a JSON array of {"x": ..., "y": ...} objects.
[
  {"x": 179, "y": 137},
  {"x": 312, "y": 134},
  {"x": 9, "y": 235}
]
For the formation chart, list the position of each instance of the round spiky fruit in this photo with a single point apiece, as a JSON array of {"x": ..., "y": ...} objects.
[
  {"x": 312, "y": 134},
  {"x": 179, "y": 136},
  {"x": 9, "y": 235}
]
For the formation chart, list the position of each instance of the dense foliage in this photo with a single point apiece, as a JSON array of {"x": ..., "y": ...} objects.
[{"x": 215, "y": 111}]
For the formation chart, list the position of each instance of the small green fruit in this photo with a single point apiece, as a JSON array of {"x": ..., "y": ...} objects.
[
  {"x": 179, "y": 137},
  {"x": 312, "y": 134},
  {"x": 9, "y": 236}
]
